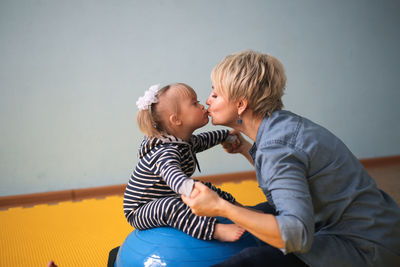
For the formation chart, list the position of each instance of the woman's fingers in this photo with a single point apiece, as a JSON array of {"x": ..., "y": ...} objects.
[
  {"x": 203, "y": 201},
  {"x": 194, "y": 193}
]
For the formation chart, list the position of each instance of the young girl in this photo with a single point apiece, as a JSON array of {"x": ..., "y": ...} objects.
[{"x": 167, "y": 158}]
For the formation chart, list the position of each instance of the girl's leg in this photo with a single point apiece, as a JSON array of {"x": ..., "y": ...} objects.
[
  {"x": 228, "y": 232},
  {"x": 265, "y": 254},
  {"x": 264, "y": 207},
  {"x": 262, "y": 256},
  {"x": 225, "y": 195},
  {"x": 172, "y": 211}
]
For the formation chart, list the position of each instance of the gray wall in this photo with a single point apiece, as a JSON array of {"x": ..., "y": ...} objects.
[{"x": 71, "y": 71}]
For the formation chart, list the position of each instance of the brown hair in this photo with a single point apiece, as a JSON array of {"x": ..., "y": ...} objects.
[
  {"x": 151, "y": 121},
  {"x": 259, "y": 78}
]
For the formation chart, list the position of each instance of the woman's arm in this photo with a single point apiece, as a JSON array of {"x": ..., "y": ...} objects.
[
  {"x": 282, "y": 177},
  {"x": 205, "y": 202}
]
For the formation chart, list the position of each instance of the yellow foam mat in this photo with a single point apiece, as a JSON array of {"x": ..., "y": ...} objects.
[{"x": 77, "y": 233}]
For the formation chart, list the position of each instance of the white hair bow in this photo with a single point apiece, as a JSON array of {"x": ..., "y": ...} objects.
[{"x": 150, "y": 97}]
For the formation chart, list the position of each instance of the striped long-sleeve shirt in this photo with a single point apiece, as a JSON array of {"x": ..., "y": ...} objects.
[{"x": 165, "y": 163}]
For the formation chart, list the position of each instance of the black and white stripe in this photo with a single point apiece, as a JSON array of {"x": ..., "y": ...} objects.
[{"x": 151, "y": 197}]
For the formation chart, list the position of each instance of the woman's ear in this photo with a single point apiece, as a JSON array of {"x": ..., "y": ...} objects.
[
  {"x": 242, "y": 105},
  {"x": 174, "y": 120}
]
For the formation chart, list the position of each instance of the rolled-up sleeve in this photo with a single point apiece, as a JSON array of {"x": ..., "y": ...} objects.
[
  {"x": 169, "y": 167},
  {"x": 283, "y": 179}
]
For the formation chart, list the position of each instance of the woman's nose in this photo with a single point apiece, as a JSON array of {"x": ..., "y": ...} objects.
[{"x": 208, "y": 100}]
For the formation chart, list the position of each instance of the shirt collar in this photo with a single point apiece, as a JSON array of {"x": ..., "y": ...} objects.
[{"x": 260, "y": 132}]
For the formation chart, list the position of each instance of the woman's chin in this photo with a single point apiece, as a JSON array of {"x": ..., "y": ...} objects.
[{"x": 214, "y": 122}]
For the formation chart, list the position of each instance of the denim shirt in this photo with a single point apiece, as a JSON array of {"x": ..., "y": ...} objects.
[{"x": 329, "y": 208}]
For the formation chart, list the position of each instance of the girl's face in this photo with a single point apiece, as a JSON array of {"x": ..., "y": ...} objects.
[
  {"x": 192, "y": 113},
  {"x": 221, "y": 110}
]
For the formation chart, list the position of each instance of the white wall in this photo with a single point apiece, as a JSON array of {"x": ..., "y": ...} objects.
[{"x": 71, "y": 71}]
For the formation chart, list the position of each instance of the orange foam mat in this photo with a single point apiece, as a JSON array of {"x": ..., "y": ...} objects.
[{"x": 77, "y": 233}]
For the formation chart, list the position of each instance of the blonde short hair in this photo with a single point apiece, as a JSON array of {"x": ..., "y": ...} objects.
[
  {"x": 150, "y": 121},
  {"x": 259, "y": 78}
]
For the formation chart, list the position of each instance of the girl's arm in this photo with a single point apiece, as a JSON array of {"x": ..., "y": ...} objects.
[
  {"x": 207, "y": 140},
  {"x": 169, "y": 168}
]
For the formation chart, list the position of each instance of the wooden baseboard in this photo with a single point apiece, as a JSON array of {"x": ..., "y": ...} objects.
[
  {"x": 28, "y": 200},
  {"x": 228, "y": 177},
  {"x": 380, "y": 161}
]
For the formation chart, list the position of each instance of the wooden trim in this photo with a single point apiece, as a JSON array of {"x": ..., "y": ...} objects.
[
  {"x": 104, "y": 191},
  {"x": 28, "y": 200},
  {"x": 33, "y": 199},
  {"x": 228, "y": 177},
  {"x": 98, "y": 192},
  {"x": 380, "y": 161}
]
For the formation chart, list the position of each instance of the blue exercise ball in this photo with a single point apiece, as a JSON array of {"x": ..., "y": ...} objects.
[{"x": 166, "y": 246}]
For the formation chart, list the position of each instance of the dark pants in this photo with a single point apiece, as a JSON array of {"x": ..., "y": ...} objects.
[
  {"x": 264, "y": 255},
  {"x": 112, "y": 256}
]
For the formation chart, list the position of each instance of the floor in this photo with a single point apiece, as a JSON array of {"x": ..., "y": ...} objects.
[
  {"x": 82, "y": 233},
  {"x": 77, "y": 233}
]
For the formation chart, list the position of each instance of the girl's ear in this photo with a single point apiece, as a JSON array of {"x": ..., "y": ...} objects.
[
  {"x": 242, "y": 105},
  {"x": 174, "y": 120}
]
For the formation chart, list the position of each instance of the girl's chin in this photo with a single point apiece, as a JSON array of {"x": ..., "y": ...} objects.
[{"x": 205, "y": 121}]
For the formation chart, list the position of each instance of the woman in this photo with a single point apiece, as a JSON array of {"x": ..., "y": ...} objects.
[{"x": 323, "y": 208}]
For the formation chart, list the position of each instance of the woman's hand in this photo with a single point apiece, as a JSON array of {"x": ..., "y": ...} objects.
[
  {"x": 203, "y": 201},
  {"x": 240, "y": 145},
  {"x": 235, "y": 146}
]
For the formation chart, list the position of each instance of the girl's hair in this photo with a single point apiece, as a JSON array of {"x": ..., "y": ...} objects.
[
  {"x": 259, "y": 78},
  {"x": 150, "y": 120}
]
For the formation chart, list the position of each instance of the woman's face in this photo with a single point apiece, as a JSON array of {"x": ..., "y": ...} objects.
[{"x": 221, "y": 110}]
